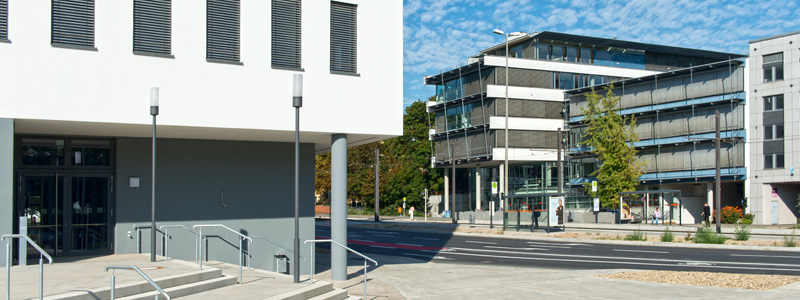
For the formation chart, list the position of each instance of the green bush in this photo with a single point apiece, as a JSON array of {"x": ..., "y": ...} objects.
[
  {"x": 742, "y": 233},
  {"x": 637, "y": 235},
  {"x": 789, "y": 240},
  {"x": 390, "y": 210},
  {"x": 705, "y": 235},
  {"x": 748, "y": 219},
  {"x": 667, "y": 236}
]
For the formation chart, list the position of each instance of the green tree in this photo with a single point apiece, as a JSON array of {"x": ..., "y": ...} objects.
[
  {"x": 610, "y": 137},
  {"x": 405, "y": 167}
]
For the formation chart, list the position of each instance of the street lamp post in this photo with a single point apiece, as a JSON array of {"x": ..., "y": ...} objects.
[
  {"x": 297, "y": 102},
  {"x": 154, "y": 113},
  {"x": 505, "y": 163}
]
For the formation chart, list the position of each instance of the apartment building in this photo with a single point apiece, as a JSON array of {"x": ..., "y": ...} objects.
[
  {"x": 75, "y": 122},
  {"x": 468, "y": 133},
  {"x": 774, "y": 71}
]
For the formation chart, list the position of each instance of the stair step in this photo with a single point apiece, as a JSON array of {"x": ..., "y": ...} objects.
[
  {"x": 188, "y": 289},
  {"x": 307, "y": 292},
  {"x": 335, "y": 294},
  {"x": 352, "y": 298},
  {"x": 140, "y": 286}
]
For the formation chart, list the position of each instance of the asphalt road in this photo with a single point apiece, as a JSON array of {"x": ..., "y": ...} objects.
[{"x": 444, "y": 248}]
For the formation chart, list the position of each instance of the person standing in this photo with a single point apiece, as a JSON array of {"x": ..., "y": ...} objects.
[
  {"x": 411, "y": 212},
  {"x": 560, "y": 213},
  {"x": 706, "y": 214},
  {"x": 656, "y": 216}
]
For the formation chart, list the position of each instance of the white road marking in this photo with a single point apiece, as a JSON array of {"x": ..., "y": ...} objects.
[
  {"x": 618, "y": 262},
  {"x": 548, "y": 245},
  {"x": 382, "y": 247},
  {"x": 409, "y": 245},
  {"x": 383, "y": 235},
  {"x": 646, "y": 251},
  {"x": 427, "y": 239},
  {"x": 476, "y": 242},
  {"x": 515, "y": 248},
  {"x": 420, "y": 255},
  {"x": 570, "y": 244},
  {"x": 753, "y": 255},
  {"x": 600, "y": 258},
  {"x": 382, "y": 232}
]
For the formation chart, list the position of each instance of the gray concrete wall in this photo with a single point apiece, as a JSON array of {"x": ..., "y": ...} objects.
[
  {"x": 247, "y": 186},
  {"x": 6, "y": 179}
]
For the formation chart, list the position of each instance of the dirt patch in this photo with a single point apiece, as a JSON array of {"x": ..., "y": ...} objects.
[{"x": 726, "y": 280}]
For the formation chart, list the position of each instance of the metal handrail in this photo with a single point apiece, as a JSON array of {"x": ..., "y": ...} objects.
[
  {"x": 311, "y": 280},
  {"x": 241, "y": 237},
  {"x": 166, "y": 240},
  {"x": 280, "y": 246},
  {"x": 42, "y": 253},
  {"x": 136, "y": 228},
  {"x": 135, "y": 268}
]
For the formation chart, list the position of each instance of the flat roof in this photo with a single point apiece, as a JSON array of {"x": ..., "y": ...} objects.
[
  {"x": 774, "y": 37},
  {"x": 605, "y": 42}
]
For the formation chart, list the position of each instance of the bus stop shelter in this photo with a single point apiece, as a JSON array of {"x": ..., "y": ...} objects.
[
  {"x": 528, "y": 210},
  {"x": 638, "y": 206}
]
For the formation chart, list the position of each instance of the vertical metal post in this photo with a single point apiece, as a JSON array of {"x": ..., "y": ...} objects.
[
  {"x": 8, "y": 269},
  {"x": 560, "y": 165},
  {"x": 113, "y": 284},
  {"x": 41, "y": 276},
  {"x": 297, "y": 102},
  {"x": 717, "y": 191},
  {"x": 311, "y": 276},
  {"x": 166, "y": 244},
  {"x": 200, "y": 247},
  {"x": 240, "y": 260},
  {"x": 453, "y": 186},
  {"x": 365, "y": 278},
  {"x": 154, "y": 113},
  {"x": 505, "y": 164},
  {"x": 138, "y": 241},
  {"x": 377, "y": 183}
]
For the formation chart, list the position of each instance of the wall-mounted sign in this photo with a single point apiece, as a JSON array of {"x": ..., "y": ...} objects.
[
  {"x": 494, "y": 187},
  {"x": 594, "y": 186}
]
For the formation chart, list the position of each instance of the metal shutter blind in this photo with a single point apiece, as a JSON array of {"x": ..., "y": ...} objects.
[
  {"x": 222, "y": 30},
  {"x": 343, "y": 37},
  {"x": 286, "y": 21},
  {"x": 73, "y": 22},
  {"x": 3, "y": 19},
  {"x": 152, "y": 21},
  {"x": 773, "y": 58}
]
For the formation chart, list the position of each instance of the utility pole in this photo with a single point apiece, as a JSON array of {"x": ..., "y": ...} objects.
[
  {"x": 377, "y": 184},
  {"x": 560, "y": 170},
  {"x": 717, "y": 192}
]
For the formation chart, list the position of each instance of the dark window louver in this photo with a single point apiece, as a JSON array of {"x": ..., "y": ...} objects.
[
  {"x": 286, "y": 21},
  {"x": 3, "y": 20},
  {"x": 72, "y": 23},
  {"x": 152, "y": 26},
  {"x": 222, "y": 30},
  {"x": 344, "y": 37}
]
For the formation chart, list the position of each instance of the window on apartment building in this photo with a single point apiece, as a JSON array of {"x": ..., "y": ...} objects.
[
  {"x": 152, "y": 27},
  {"x": 3, "y": 20},
  {"x": 344, "y": 38},
  {"x": 773, "y": 103},
  {"x": 773, "y": 67},
  {"x": 773, "y": 161},
  {"x": 72, "y": 23},
  {"x": 773, "y": 132},
  {"x": 222, "y": 30},
  {"x": 286, "y": 32},
  {"x": 542, "y": 51}
]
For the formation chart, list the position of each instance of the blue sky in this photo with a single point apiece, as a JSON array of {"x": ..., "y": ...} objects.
[{"x": 440, "y": 34}]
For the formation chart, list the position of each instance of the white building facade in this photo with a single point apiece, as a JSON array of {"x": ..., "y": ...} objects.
[{"x": 75, "y": 126}]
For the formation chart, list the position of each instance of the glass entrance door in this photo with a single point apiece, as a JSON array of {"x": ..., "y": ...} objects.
[
  {"x": 89, "y": 213},
  {"x": 41, "y": 201},
  {"x": 67, "y": 214}
]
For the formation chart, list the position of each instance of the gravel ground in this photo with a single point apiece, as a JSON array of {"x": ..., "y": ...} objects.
[{"x": 739, "y": 281}]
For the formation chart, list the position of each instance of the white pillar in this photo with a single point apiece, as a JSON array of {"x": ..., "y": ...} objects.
[
  {"x": 446, "y": 190},
  {"x": 339, "y": 206},
  {"x": 710, "y": 194},
  {"x": 478, "y": 186}
]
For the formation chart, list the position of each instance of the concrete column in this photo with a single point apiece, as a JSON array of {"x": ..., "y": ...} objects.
[
  {"x": 478, "y": 186},
  {"x": 710, "y": 194},
  {"x": 6, "y": 179},
  {"x": 339, "y": 206},
  {"x": 446, "y": 190},
  {"x": 501, "y": 184}
]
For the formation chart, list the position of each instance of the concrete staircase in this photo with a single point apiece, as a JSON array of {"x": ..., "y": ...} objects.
[{"x": 175, "y": 285}]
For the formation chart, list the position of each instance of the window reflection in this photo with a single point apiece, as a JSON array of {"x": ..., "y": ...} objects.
[
  {"x": 42, "y": 152},
  {"x": 91, "y": 153}
]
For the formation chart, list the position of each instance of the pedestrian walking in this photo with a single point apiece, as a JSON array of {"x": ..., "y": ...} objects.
[
  {"x": 411, "y": 212},
  {"x": 706, "y": 214}
]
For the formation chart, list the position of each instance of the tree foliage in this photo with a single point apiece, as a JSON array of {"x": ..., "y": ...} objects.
[
  {"x": 405, "y": 166},
  {"x": 610, "y": 137}
]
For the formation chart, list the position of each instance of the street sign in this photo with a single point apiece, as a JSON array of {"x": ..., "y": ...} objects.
[
  {"x": 596, "y": 204},
  {"x": 594, "y": 186},
  {"x": 494, "y": 187}
]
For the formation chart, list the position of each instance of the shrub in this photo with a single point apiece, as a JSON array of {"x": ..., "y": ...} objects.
[
  {"x": 637, "y": 235},
  {"x": 742, "y": 233},
  {"x": 706, "y": 235},
  {"x": 729, "y": 215},
  {"x": 748, "y": 219},
  {"x": 667, "y": 236},
  {"x": 789, "y": 241}
]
